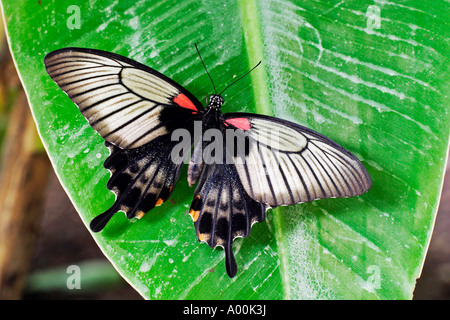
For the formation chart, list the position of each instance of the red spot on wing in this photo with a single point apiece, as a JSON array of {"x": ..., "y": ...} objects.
[
  {"x": 184, "y": 102},
  {"x": 240, "y": 123}
]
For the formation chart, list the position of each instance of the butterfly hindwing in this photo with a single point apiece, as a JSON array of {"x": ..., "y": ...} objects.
[
  {"x": 141, "y": 179},
  {"x": 127, "y": 103},
  {"x": 287, "y": 163},
  {"x": 222, "y": 210}
]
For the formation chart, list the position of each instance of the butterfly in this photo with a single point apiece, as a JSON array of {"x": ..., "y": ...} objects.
[{"x": 267, "y": 162}]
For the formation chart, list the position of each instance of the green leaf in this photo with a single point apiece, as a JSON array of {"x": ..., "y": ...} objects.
[{"x": 371, "y": 75}]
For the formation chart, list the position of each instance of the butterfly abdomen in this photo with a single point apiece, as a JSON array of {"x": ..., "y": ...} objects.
[{"x": 196, "y": 163}]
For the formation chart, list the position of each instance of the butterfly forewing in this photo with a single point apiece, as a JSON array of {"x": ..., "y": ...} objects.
[
  {"x": 288, "y": 164},
  {"x": 123, "y": 100}
]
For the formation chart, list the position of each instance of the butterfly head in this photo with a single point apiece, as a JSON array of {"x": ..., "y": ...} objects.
[{"x": 215, "y": 101}]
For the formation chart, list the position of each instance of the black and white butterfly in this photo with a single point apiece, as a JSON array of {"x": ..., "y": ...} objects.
[{"x": 137, "y": 109}]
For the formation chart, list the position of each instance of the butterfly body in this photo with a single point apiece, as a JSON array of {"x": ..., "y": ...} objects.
[
  {"x": 242, "y": 163},
  {"x": 211, "y": 119}
]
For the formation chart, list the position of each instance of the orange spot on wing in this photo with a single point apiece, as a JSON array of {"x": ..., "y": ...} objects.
[
  {"x": 159, "y": 202},
  {"x": 194, "y": 214},
  {"x": 202, "y": 236},
  {"x": 184, "y": 102},
  {"x": 139, "y": 214}
]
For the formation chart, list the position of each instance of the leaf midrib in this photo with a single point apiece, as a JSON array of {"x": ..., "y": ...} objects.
[{"x": 251, "y": 26}]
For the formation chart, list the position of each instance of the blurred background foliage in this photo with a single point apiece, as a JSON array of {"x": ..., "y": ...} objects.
[{"x": 34, "y": 255}]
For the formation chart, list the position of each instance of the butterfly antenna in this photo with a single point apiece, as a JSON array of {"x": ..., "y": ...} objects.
[
  {"x": 204, "y": 66},
  {"x": 240, "y": 78}
]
